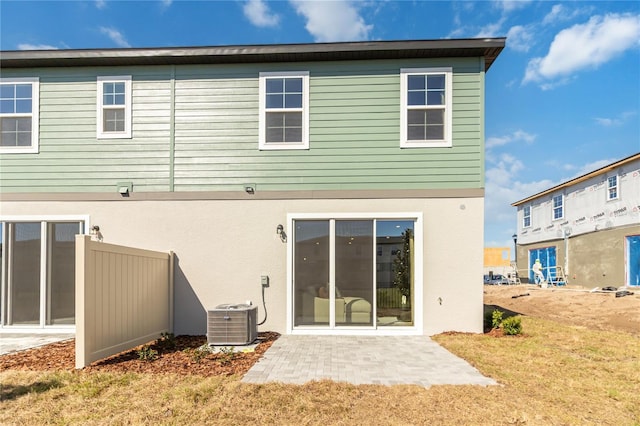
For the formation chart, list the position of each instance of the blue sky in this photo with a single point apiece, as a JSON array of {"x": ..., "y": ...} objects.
[{"x": 562, "y": 99}]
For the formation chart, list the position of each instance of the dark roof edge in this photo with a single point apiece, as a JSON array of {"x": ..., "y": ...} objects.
[
  {"x": 580, "y": 178},
  {"x": 489, "y": 48}
]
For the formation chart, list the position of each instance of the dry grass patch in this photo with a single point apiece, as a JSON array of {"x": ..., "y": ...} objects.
[
  {"x": 555, "y": 374},
  {"x": 571, "y": 374}
]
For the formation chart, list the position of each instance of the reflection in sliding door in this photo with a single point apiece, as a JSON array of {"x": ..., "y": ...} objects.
[
  {"x": 311, "y": 272},
  {"x": 24, "y": 273},
  {"x": 61, "y": 260},
  {"x": 354, "y": 272},
  {"x": 395, "y": 272}
]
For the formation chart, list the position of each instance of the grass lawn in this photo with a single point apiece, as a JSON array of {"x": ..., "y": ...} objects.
[{"x": 555, "y": 374}]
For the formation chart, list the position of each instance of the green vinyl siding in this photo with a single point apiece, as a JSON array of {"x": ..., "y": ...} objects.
[{"x": 354, "y": 132}]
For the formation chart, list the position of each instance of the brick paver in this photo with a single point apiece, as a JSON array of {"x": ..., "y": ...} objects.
[{"x": 385, "y": 360}]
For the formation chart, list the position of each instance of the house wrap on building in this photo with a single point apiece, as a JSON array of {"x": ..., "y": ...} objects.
[
  {"x": 348, "y": 177},
  {"x": 587, "y": 228}
]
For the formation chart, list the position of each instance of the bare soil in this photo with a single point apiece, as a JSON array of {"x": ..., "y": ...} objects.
[
  {"x": 575, "y": 306},
  {"x": 578, "y": 307},
  {"x": 176, "y": 356}
]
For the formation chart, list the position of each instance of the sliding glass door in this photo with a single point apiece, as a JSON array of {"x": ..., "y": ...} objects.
[
  {"x": 38, "y": 272},
  {"x": 24, "y": 248},
  {"x": 395, "y": 277},
  {"x": 353, "y": 273},
  {"x": 61, "y": 264}
]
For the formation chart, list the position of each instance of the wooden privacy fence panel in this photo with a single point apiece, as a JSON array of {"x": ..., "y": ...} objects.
[{"x": 124, "y": 298}]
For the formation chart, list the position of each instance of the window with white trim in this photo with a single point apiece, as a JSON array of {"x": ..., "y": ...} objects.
[
  {"x": 19, "y": 115},
  {"x": 526, "y": 218},
  {"x": 612, "y": 188},
  {"x": 284, "y": 110},
  {"x": 558, "y": 207},
  {"x": 426, "y": 107},
  {"x": 114, "y": 107}
]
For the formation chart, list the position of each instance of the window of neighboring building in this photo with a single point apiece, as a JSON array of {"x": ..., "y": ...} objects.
[
  {"x": 558, "y": 206},
  {"x": 284, "y": 110},
  {"x": 19, "y": 109},
  {"x": 426, "y": 107},
  {"x": 526, "y": 219},
  {"x": 612, "y": 188},
  {"x": 114, "y": 107}
]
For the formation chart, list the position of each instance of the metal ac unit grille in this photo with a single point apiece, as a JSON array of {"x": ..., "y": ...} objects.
[{"x": 232, "y": 325}]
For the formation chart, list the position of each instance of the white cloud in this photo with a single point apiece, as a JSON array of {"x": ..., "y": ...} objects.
[
  {"x": 615, "y": 121},
  {"x": 166, "y": 3},
  {"x": 511, "y": 5},
  {"x": 27, "y": 46},
  {"x": 585, "y": 46},
  {"x": 502, "y": 188},
  {"x": 333, "y": 20},
  {"x": 115, "y": 36},
  {"x": 491, "y": 30},
  {"x": 520, "y": 38},
  {"x": 258, "y": 13},
  {"x": 561, "y": 13},
  {"x": 517, "y": 136},
  {"x": 557, "y": 13},
  {"x": 101, "y": 4}
]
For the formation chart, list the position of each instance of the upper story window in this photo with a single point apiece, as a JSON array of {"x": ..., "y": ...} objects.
[
  {"x": 284, "y": 110},
  {"x": 19, "y": 112},
  {"x": 612, "y": 188},
  {"x": 426, "y": 107},
  {"x": 526, "y": 218},
  {"x": 114, "y": 107},
  {"x": 558, "y": 206}
]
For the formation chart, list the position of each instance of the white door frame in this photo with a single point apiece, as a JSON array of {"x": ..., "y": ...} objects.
[{"x": 416, "y": 329}]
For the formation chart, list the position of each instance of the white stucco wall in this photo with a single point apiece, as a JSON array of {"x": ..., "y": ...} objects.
[{"x": 223, "y": 247}]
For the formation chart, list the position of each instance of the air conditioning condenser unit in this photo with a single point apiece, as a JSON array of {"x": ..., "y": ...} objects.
[{"x": 232, "y": 325}]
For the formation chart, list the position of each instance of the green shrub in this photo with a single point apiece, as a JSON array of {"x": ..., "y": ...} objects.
[
  {"x": 226, "y": 355},
  {"x": 512, "y": 326},
  {"x": 147, "y": 354},
  {"x": 496, "y": 318}
]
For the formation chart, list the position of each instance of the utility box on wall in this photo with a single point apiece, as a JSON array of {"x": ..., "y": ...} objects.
[{"x": 232, "y": 324}]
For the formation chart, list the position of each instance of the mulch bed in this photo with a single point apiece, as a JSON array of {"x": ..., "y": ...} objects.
[{"x": 174, "y": 356}]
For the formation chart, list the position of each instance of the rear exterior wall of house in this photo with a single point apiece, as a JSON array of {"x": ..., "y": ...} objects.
[{"x": 194, "y": 148}]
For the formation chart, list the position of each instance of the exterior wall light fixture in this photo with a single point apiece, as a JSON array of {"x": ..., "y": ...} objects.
[{"x": 125, "y": 188}]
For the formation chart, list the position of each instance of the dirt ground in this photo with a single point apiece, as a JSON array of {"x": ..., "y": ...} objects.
[
  {"x": 177, "y": 356},
  {"x": 575, "y": 306}
]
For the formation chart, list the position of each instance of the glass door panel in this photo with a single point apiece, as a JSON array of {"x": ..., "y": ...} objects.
[
  {"x": 354, "y": 272},
  {"x": 24, "y": 273},
  {"x": 311, "y": 272},
  {"x": 394, "y": 272},
  {"x": 61, "y": 257}
]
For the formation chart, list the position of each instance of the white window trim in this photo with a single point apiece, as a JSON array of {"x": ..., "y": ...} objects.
[
  {"x": 524, "y": 216},
  {"x": 553, "y": 218},
  {"x": 100, "y": 133},
  {"x": 262, "y": 88},
  {"x": 35, "y": 116},
  {"x": 617, "y": 188},
  {"x": 448, "y": 112},
  {"x": 418, "y": 325}
]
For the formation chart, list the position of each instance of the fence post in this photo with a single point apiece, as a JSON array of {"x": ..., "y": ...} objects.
[{"x": 82, "y": 242}]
